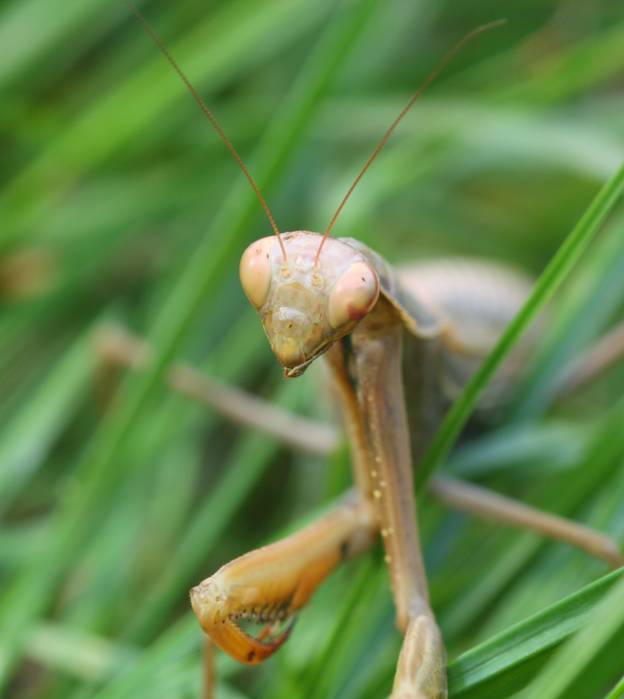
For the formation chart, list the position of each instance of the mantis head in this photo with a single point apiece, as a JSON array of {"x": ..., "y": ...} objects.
[{"x": 306, "y": 300}]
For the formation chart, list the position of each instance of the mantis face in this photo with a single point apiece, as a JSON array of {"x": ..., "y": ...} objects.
[{"x": 306, "y": 304}]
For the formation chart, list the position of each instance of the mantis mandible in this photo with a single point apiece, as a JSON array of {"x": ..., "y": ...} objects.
[{"x": 399, "y": 344}]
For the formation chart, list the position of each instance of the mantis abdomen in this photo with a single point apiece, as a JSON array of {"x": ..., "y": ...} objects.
[
  {"x": 478, "y": 298},
  {"x": 475, "y": 301}
]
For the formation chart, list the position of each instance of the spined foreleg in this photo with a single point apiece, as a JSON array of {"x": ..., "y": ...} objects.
[{"x": 271, "y": 584}]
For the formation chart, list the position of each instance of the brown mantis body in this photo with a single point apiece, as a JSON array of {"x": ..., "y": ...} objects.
[
  {"x": 399, "y": 346},
  {"x": 393, "y": 335}
]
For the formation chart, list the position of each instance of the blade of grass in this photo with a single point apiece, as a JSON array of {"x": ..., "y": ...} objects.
[
  {"x": 556, "y": 271},
  {"x": 77, "y": 653},
  {"x": 497, "y": 658},
  {"x": 27, "y": 438},
  {"x": 315, "y": 681},
  {"x": 555, "y": 445},
  {"x": 573, "y": 70},
  {"x": 33, "y": 19},
  {"x": 173, "y": 648},
  {"x": 578, "y": 318},
  {"x": 569, "y": 672},
  {"x": 617, "y": 691}
]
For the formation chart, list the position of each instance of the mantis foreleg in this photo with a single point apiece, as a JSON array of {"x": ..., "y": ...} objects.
[
  {"x": 274, "y": 582},
  {"x": 377, "y": 373}
]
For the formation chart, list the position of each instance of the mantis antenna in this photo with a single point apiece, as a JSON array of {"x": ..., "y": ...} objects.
[
  {"x": 210, "y": 116},
  {"x": 430, "y": 78}
]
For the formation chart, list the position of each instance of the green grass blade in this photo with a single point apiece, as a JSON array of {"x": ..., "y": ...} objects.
[
  {"x": 71, "y": 651},
  {"x": 174, "y": 648},
  {"x": 559, "y": 267},
  {"x": 573, "y": 669},
  {"x": 45, "y": 30},
  {"x": 27, "y": 438},
  {"x": 496, "y": 661},
  {"x": 577, "y": 318},
  {"x": 617, "y": 691}
]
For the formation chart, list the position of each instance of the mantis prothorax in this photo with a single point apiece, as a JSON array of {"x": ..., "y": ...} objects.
[{"x": 398, "y": 344}]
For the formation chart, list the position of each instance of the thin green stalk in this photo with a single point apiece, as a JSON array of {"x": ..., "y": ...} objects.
[
  {"x": 496, "y": 659},
  {"x": 551, "y": 278},
  {"x": 570, "y": 670},
  {"x": 617, "y": 691}
]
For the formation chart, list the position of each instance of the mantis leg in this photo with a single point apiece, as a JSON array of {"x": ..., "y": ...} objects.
[
  {"x": 272, "y": 583},
  {"x": 382, "y": 444},
  {"x": 118, "y": 346},
  {"x": 602, "y": 355},
  {"x": 489, "y": 505}
]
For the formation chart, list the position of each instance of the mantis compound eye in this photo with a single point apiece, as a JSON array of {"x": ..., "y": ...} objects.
[
  {"x": 353, "y": 295},
  {"x": 255, "y": 271}
]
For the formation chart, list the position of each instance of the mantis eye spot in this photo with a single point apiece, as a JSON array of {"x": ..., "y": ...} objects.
[
  {"x": 255, "y": 271},
  {"x": 353, "y": 295}
]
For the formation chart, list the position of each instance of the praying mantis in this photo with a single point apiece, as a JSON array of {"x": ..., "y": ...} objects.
[{"x": 398, "y": 344}]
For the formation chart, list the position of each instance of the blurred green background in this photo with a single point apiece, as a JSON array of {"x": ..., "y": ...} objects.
[{"x": 118, "y": 204}]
